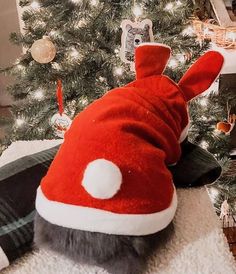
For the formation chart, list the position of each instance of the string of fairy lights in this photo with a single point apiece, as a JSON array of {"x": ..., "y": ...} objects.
[{"x": 73, "y": 55}]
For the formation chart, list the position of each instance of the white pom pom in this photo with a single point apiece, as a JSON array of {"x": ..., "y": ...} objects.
[{"x": 102, "y": 179}]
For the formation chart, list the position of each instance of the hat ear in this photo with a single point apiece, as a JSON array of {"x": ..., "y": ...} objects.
[
  {"x": 201, "y": 74},
  {"x": 151, "y": 59}
]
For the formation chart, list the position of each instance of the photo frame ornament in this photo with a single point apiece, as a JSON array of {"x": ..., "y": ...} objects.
[{"x": 134, "y": 34}]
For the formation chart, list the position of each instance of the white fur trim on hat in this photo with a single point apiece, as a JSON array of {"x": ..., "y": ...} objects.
[
  {"x": 184, "y": 133},
  {"x": 98, "y": 220},
  {"x": 102, "y": 179},
  {"x": 3, "y": 259}
]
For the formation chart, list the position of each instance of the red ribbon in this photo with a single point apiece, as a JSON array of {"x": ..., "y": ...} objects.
[{"x": 60, "y": 97}]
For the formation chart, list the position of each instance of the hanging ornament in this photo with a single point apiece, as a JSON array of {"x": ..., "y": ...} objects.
[
  {"x": 134, "y": 34},
  {"x": 60, "y": 122},
  {"x": 227, "y": 127},
  {"x": 43, "y": 50}
]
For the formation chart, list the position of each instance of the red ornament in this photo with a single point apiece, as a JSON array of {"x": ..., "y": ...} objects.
[{"x": 60, "y": 121}]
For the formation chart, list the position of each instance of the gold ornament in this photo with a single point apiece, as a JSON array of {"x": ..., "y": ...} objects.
[{"x": 43, "y": 50}]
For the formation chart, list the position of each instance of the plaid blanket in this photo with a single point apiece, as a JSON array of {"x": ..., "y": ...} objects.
[
  {"x": 18, "y": 184},
  {"x": 20, "y": 179}
]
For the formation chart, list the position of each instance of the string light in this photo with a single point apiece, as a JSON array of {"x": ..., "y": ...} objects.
[
  {"x": 38, "y": 94},
  {"x": 203, "y": 101},
  {"x": 20, "y": 122},
  {"x": 81, "y": 23},
  {"x": 74, "y": 54},
  {"x": 54, "y": 33},
  {"x": 181, "y": 58},
  {"x": 35, "y": 5},
  {"x": 179, "y": 3},
  {"x": 173, "y": 63},
  {"x": 204, "y": 144},
  {"x": 20, "y": 67},
  {"x": 94, "y": 2},
  {"x": 101, "y": 79},
  {"x": 76, "y": 1},
  {"x": 56, "y": 66},
  {"x": 83, "y": 101},
  {"x": 118, "y": 71},
  {"x": 40, "y": 23},
  {"x": 137, "y": 11},
  {"x": 169, "y": 6},
  {"x": 40, "y": 130}
]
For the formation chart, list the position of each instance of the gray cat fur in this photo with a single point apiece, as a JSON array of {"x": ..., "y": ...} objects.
[{"x": 117, "y": 254}]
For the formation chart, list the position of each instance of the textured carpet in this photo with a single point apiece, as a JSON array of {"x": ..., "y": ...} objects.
[{"x": 195, "y": 246}]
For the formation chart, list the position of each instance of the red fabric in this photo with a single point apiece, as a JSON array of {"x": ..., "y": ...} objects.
[
  {"x": 201, "y": 74},
  {"x": 60, "y": 97},
  {"x": 137, "y": 127},
  {"x": 151, "y": 60}
]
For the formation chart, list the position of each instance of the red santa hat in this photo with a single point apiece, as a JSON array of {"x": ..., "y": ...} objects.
[{"x": 110, "y": 174}]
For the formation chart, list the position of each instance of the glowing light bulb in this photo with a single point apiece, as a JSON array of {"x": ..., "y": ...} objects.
[
  {"x": 94, "y": 2},
  {"x": 54, "y": 33},
  {"x": 204, "y": 144},
  {"x": 137, "y": 11},
  {"x": 83, "y": 101},
  {"x": 179, "y": 3},
  {"x": 20, "y": 122},
  {"x": 56, "y": 66},
  {"x": 118, "y": 71},
  {"x": 74, "y": 53},
  {"x": 203, "y": 101},
  {"x": 38, "y": 94},
  {"x": 20, "y": 67},
  {"x": 35, "y": 5},
  {"x": 181, "y": 58},
  {"x": 169, "y": 6},
  {"x": 101, "y": 79},
  {"x": 81, "y": 23},
  {"x": 76, "y": 1},
  {"x": 173, "y": 63}
]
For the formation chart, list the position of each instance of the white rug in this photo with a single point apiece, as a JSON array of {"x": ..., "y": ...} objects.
[{"x": 197, "y": 245}]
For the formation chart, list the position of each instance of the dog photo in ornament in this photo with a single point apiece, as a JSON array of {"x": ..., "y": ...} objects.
[
  {"x": 108, "y": 198},
  {"x": 133, "y": 35}
]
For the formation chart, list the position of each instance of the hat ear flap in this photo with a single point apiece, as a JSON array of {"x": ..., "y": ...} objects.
[
  {"x": 151, "y": 59},
  {"x": 201, "y": 74}
]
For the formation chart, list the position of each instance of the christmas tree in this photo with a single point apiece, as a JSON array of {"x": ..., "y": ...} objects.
[{"x": 85, "y": 36}]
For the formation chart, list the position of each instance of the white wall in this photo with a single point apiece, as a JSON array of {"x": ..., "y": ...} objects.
[{"x": 9, "y": 22}]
